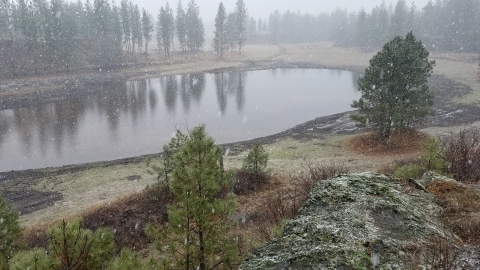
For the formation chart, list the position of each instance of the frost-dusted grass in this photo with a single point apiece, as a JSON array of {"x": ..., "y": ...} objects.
[{"x": 86, "y": 189}]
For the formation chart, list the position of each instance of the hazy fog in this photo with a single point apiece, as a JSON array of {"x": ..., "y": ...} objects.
[{"x": 262, "y": 8}]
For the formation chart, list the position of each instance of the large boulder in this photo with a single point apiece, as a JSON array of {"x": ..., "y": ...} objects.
[{"x": 356, "y": 221}]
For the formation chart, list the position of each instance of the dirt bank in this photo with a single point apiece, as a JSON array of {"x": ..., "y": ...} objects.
[{"x": 47, "y": 194}]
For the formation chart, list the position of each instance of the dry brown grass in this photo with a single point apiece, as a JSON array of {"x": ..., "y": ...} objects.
[
  {"x": 398, "y": 143},
  {"x": 461, "y": 204}
]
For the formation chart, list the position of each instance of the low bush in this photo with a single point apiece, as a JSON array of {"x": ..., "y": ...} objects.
[
  {"x": 431, "y": 160},
  {"x": 128, "y": 216},
  {"x": 462, "y": 151},
  {"x": 246, "y": 183},
  {"x": 413, "y": 171},
  {"x": 277, "y": 209},
  {"x": 69, "y": 247}
]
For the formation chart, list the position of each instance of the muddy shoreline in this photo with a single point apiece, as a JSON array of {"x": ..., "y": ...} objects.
[{"x": 15, "y": 185}]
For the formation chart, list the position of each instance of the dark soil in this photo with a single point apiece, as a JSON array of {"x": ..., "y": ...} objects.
[
  {"x": 15, "y": 184},
  {"x": 26, "y": 201}
]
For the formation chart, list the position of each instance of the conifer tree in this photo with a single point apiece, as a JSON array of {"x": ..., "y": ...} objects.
[
  {"x": 180, "y": 26},
  {"x": 395, "y": 93},
  {"x": 126, "y": 24},
  {"x": 195, "y": 31},
  {"x": 199, "y": 221},
  {"x": 231, "y": 31},
  {"x": 220, "y": 38},
  {"x": 147, "y": 28},
  {"x": 10, "y": 232},
  {"x": 241, "y": 24},
  {"x": 255, "y": 163},
  {"x": 165, "y": 28}
]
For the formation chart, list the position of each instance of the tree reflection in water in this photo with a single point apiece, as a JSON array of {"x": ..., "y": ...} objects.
[{"x": 137, "y": 117}]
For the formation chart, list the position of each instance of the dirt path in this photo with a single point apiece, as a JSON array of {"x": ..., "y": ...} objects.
[{"x": 54, "y": 193}]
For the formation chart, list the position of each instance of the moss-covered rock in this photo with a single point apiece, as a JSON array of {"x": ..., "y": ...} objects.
[{"x": 357, "y": 221}]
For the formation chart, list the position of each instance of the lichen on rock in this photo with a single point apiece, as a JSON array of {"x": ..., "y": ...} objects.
[{"x": 357, "y": 221}]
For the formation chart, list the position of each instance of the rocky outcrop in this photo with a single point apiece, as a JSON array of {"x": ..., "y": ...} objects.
[{"x": 357, "y": 221}]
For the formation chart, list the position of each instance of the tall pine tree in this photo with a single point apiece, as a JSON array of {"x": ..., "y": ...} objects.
[
  {"x": 241, "y": 23},
  {"x": 220, "y": 38},
  {"x": 180, "y": 26},
  {"x": 395, "y": 94},
  {"x": 147, "y": 28},
  {"x": 199, "y": 220}
]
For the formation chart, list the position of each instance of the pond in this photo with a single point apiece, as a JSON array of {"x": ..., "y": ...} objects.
[{"x": 139, "y": 117}]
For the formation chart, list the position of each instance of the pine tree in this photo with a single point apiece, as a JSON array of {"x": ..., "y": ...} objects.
[
  {"x": 180, "y": 26},
  {"x": 195, "y": 31},
  {"x": 10, "y": 232},
  {"x": 220, "y": 38},
  {"x": 126, "y": 24},
  {"x": 252, "y": 27},
  {"x": 395, "y": 94},
  {"x": 69, "y": 247},
  {"x": 231, "y": 31},
  {"x": 241, "y": 23},
  {"x": 5, "y": 19},
  {"x": 165, "y": 28},
  {"x": 199, "y": 221},
  {"x": 399, "y": 19},
  {"x": 138, "y": 27},
  {"x": 147, "y": 28},
  {"x": 255, "y": 163}
]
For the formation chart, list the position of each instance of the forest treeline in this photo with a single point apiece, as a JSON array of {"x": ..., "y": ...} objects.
[
  {"x": 45, "y": 36},
  {"x": 441, "y": 25}
]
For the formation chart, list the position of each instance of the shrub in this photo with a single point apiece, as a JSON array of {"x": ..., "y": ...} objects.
[
  {"x": 75, "y": 248},
  {"x": 462, "y": 151},
  {"x": 255, "y": 163},
  {"x": 32, "y": 259},
  {"x": 276, "y": 211},
  {"x": 168, "y": 157},
  {"x": 433, "y": 159},
  {"x": 10, "y": 232},
  {"x": 413, "y": 171},
  {"x": 127, "y": 260},
  {"x": 246, "y": 183}
]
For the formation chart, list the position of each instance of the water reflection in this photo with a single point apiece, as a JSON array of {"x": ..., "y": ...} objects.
[{"x": 137, "y": 117}]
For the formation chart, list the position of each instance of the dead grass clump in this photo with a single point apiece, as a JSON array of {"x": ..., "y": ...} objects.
[
  {"x": 312, "y": 173},
  {"x": 462, "y": 208},
  {"x": 270, "y": 219},
  {"x": 246, "y": 182},
  {"x": 437, "y": 252},
  {"x": 128, "y": 217},
  {"x": 406, "y": 141},
  {"x": 462, "y": 151}
]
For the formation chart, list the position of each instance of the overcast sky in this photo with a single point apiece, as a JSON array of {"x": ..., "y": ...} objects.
[{"x": 262, "y": 8}]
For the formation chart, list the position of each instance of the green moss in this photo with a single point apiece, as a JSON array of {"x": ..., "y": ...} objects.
[{"x": 360, "y": 260}]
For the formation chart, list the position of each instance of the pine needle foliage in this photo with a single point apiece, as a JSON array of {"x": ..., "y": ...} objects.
[
  {"x": 199, "y": 219},
  {"x": 395, "y": 94},
  {"x": 255, "y": 163},
  {"x": 10, "y": 232},
  {"x": 69, "y": 247}
]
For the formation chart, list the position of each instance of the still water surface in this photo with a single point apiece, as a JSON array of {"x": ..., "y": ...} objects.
[{"x": 139, "y": 117}]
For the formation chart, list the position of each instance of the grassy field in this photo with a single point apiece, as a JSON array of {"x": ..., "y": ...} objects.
[{"x": 98, "y": 186}]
